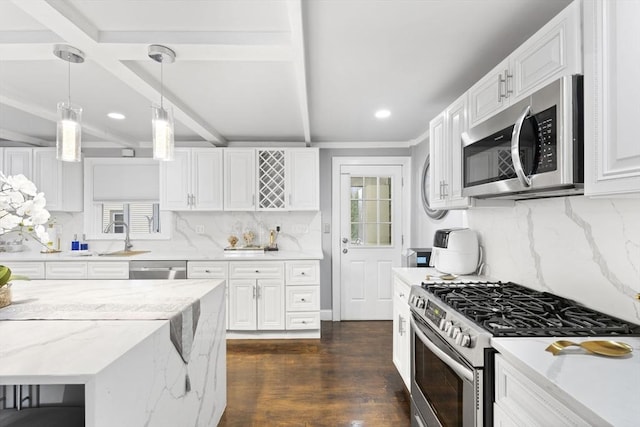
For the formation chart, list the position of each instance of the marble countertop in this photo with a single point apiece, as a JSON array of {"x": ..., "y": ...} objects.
[
  {"x": 160, "y": 255},
  {"x": 417, "y": 275},
  {"x": 603, "y": 390},
  {"x": 71, "y": 351}
]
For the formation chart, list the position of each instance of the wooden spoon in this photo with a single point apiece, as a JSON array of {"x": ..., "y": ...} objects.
[{"x": 603, "y": 348}]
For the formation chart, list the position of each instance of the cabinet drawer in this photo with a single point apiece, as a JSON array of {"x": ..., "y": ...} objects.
[
  {"x": 303, "y": 298},
  {"x": 66, "y": 270},
  {"x": 401, "y": 290},
  {"x": 30, "y": 270},
  {"x": 207, "y": 269},
  {"x": 256, "y": 270},
  {"x": 302, "y": 272},
  {"x": 303, "y": 320},
  {"x": 107, "y": 270}
]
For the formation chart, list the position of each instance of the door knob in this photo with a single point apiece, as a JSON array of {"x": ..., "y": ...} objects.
[
  {"x": 345, "y": 240},
  {"x": 345, "y": 250}
]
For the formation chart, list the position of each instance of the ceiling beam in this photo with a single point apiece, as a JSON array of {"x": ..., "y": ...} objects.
[
  {"x": 20, "y": 137},
  {"x": 75, "y": 29},
  {"x": 299, "y": 63},
  {"x": 47, "y": 114}
]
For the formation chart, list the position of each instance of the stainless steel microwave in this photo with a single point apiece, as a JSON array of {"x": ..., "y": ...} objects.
[{"x": 534, "y": 148}]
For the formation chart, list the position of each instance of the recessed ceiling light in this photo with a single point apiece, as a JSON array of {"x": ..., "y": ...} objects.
[
  {"x": 116, "y": 116},
  {"x": 382, "y": 114}
]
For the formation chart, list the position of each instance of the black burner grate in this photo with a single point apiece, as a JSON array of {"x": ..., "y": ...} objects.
[{"x": 510, "y": 310}]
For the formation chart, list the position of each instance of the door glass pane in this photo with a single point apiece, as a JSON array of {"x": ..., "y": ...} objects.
[{"x": 371, "y": 211}]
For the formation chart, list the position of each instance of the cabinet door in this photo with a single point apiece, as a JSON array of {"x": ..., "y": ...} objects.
[
  {"x": 488, "y": 96},
  {"x": 18, "y": 160},
  {"x": 302, "y": 185},
  {"x": 270, "y": 304},
  {"x": 175, "y": 181},
  {"x": 456, "y": 124},
  {"x": 611, "y": 93},
  {"x": 401, "y": 336},
  {"x": 47, "y": 176},
  {"x": 438, "y": 159},
  {"x": 242, "y": 304},
  {"x": 30, "y": 270},
  {"x": 66, "y": 270},
  {"x": 207, "y": 183},
  {"x": 239, "y": 179},
  {"x": 554, "y": 51},
  {"x": 107, "y": 270}
]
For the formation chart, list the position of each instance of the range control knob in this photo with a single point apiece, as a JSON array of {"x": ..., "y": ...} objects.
[
  {"x": 463, "y": 340},
  {"x": 441, "y": 324},
  {"x": 447, "y": 326},
  {"x": 421, "y": 303},
  {"x": 455, "y": 331}
]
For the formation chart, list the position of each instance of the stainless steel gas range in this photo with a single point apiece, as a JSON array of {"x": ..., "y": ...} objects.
[{"x": 451, "y": 356}]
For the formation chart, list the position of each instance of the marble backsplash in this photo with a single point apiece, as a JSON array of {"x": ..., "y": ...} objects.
[
  {"x": 584, "y": 249},
  {"x": 300, "y": 231}
]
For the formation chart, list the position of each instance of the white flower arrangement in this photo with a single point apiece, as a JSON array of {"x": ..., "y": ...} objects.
[{"x": 22, "y": 208}]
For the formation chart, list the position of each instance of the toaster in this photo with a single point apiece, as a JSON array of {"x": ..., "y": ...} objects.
[{"x": 456, "y": 251}]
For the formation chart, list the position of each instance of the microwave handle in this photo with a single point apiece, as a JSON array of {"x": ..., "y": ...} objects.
[{"x": 515, "y": 148}]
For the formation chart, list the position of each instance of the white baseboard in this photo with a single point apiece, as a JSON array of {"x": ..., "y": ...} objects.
[{"x": 326, "y": 314}]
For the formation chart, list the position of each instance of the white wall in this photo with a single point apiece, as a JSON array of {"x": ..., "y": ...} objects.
[{"x": 584, "y": 249}]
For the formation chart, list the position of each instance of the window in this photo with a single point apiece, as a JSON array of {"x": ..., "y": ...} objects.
[
  {"x": 122, "y": 191},
  {"x": 370, "y": 211}
]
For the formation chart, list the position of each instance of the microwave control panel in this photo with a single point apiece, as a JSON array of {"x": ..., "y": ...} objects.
[{"x": 547, "y": 140}]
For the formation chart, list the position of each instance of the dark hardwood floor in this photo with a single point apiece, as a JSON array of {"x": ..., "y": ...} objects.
[{"x": 347, "y": 378}]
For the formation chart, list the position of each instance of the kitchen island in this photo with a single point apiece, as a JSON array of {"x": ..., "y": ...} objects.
[{"x": 147, "y": 352}]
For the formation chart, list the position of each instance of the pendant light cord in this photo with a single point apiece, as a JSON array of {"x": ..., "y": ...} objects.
[
  {"x": 161, "y": 84},
  {"x": 69, "y": 82}
]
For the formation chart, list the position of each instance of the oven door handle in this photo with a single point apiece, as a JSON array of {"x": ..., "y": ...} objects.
[
  {"x": 460, "y": 369},
  {"x": 515, "y": 148}
]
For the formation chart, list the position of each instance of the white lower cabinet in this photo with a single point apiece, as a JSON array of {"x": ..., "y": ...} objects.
[
  {"x": 108, "y": 270},
  {"x": 256, "y": 296},
  {"x": 210, "y": 270},
  {"x": 519, "y": 401},
  {"x": 303, "y": 294},
  {"x": 30, "y": 270},
  {"x": 66, "y": 270},
  {"x": 401, "y": 330}
]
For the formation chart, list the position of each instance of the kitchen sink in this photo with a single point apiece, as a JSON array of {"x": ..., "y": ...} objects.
[{"x": 123, "y": 253}]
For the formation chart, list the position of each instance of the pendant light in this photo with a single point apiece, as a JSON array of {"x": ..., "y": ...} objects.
[
  {"x": 161, "y": 118},
  {"x": 69, "y": 130}
]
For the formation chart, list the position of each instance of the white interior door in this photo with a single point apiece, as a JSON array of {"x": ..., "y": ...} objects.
[{"x": 370, "y": 239}]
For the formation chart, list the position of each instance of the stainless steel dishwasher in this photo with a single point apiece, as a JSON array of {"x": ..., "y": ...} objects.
[{"x": 151, "y": 270}]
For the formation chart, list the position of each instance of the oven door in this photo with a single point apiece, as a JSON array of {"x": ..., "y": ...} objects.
[{"x": 445, "y": 390}]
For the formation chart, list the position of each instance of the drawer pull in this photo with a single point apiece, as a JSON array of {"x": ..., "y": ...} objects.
[
  {"x": 207, "y": 271},
  {"x": 257, "y": 271},
  {"x": 303, "y": 300},
  {"x": 302, "y": 274}
]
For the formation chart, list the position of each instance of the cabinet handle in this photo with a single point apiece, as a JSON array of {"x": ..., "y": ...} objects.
[
  {"x": 253, "y": 200},
  {"x": 302, "y": 274},
  {"x": 401, "y": 321},
  {"x": 254, "y": 292},
  {"x": 257, "y": 271},
  {"x": 303, "y": 300},
  {"x": 304, "y": 322},
  {"x": 500, "y": 81},
  {"x": 258, "y": 291},
  {"x": 207, "y": 271},
  {"x": 507, "y": 87},
  {"x": 444, "y": 188},
  {"x": 290, "y": 198},
  {"x": 401, "y": 295}
]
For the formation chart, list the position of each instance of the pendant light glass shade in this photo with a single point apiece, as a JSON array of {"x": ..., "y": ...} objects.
[
  {"x": 69, "y": 132},
  {"x": 161, "y": 118},
  {"x": 69, "y": 128},
  {"x": 162, "y": 128}
]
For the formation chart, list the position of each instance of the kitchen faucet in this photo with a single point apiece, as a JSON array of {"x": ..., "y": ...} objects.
[{"x": 127, "y": 242}]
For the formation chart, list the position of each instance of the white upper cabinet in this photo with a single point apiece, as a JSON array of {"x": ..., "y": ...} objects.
[
  {"x": 302, "y": 179},
  {"x": 61, "y": 182},
  {"x": 612, "y": 90},
  {"x": 239, "y": 179},
  {"x": 445, "y": 152},
  {"x": 552, "y": 52},
  {"x": 272, "y": 179},
  {"x": 192, "y": 181},
  {"x": 18, "y": 160}
]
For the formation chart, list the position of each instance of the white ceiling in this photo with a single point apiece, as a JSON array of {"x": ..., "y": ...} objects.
[{"x": 311, "y": 71}]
